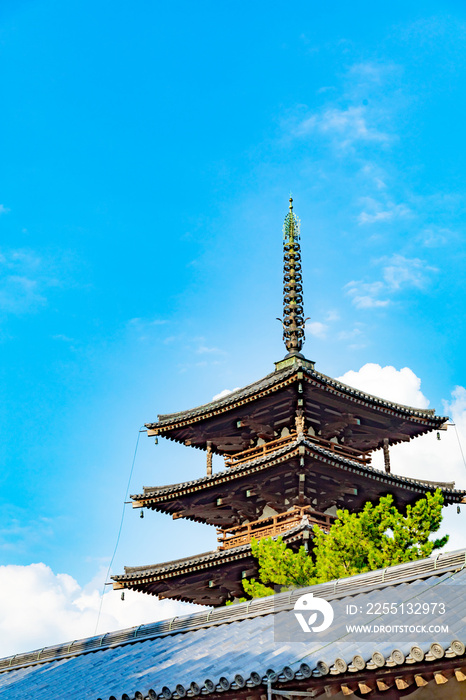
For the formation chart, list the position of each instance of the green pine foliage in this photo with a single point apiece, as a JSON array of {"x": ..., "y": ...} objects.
[{"x": 376, "y": 537}]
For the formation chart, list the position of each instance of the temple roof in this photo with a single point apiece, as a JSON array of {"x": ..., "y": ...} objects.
[
  {"x": 210, "y": 578},
  {"x": 276, "y": 377},
  {"x": 264, "y": 407},
  {"x": 330, "y": 478},
  {"x": 234, "y": 652}
]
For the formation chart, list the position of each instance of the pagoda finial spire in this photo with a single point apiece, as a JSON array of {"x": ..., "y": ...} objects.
[{"x": 293, "y": 315}]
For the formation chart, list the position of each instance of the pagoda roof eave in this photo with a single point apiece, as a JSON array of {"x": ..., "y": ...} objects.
[
  {"x": 219, "y": 405},
  {"x": 155, "y": 497},
  {"x": 204, "y": 560},
  {"x": 273, "y": 381}
]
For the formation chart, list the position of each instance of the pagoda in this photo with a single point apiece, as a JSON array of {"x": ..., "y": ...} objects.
[{"x": 297, "y": 445}]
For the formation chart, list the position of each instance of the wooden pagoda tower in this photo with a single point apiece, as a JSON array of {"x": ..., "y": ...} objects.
[{"x": 297, "y": 445}]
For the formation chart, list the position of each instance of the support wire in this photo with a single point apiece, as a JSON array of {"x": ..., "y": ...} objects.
[
  {"x": 459, "y": 443},
  {"x": 119, "y": 529}
]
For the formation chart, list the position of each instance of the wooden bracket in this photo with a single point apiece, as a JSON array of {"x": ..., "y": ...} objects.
[
  {"x": 346, "y": 689},
  {"x": 384, "y": 685},
  {"x": 420, "y": 681},
  {"x": 366, "y": 687},
  {"x": 405, "y": 682}
]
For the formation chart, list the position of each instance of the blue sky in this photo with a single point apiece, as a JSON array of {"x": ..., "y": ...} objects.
[{"x": 147, "y": 156}]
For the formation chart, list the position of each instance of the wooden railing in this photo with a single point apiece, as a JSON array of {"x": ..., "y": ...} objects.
[
  {"x": 262, "y": 450},
  {"x": 272, "y": 526},
  {"x": 259, "y": 451}
]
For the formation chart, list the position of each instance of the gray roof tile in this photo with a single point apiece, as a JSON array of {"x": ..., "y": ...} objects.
[
  {"x": 211, "y": 644},
  {"x": 277, "y": 377},
  {"x": 217, "y": 477}
]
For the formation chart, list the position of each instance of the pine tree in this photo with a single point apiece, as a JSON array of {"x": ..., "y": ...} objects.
[{"x": 376, "y": 537}]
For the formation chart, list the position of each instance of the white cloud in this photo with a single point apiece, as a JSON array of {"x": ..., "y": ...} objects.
[
  {"x": 403, "y": 272},
  {"x": 364, "y": 295},
  {"x": 375, "y": 211},
  {"x": 436, "y": 236},
  {"x": 398, "y": 273},
  {"x": 355, "y": 338},
  {"x": 224, "y": 393},
  {"x": 345, "y": 126},
  {"x": 142, "y": 322},
  {"x": 21, "y": 533},
  {"x": 64, "y": 338},
  {"x": 206, "y": 350},
  {"x": 332, "y": 315},
  {"x": 368, "y": 72},
  {"x": 425, "y": 457},
  {"x": 19, "y": 294},
  {"x": 401, "y": 386},
  {"x": 3, "y": 209},
  {"x": 350, "y": 335},
  {"x": 24, "y": 278},
  {"x": 317, "y": 329},
  {"x": 145, "y": 327},
  {"x": 40, "y": 608}
]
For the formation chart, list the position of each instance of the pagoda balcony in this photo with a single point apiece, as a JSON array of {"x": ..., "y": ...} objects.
[
  {"x": 272, "y": 526},
  {"x": 251, "y": 453}
]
